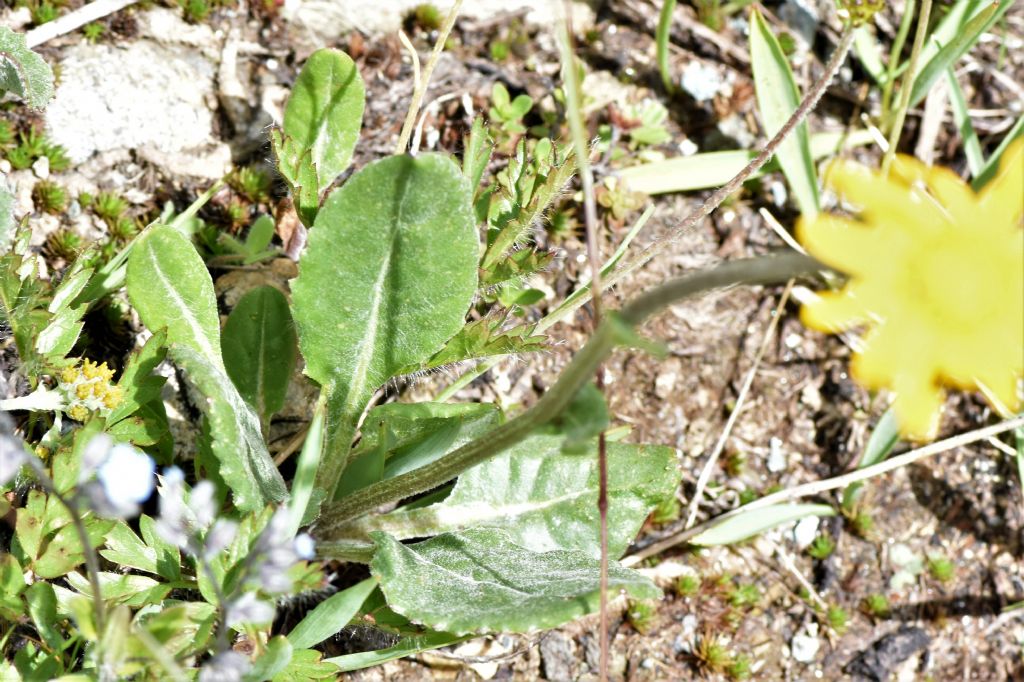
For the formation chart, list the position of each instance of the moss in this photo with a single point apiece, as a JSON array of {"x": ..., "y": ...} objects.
[{"x": 49, "y": 197}]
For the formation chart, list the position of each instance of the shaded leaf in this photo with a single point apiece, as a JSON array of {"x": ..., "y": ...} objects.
[
  {"x": 408, "y": 646},
  {"x": 138, "y": 384},
  {"x": 259, "y": 348},
  {"x": 273, "y": 660},
  {"x": 481, "y": 581}
]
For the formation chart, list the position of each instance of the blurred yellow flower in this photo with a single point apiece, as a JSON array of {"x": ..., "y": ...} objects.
[{"x": 936, "y": 277}]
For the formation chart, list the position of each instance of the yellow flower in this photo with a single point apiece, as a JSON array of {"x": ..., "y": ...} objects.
[{"x": 936, "y": 276}]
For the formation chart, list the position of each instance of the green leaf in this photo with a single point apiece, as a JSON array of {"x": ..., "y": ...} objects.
[
  {"x": 992, "y": 164},
  {"x": 544, "y": 499},
  {"x": 750, "y": 523},
  {"x": 168, "y": 558},
  {"x": 274, "y": 659},
  {"x": 408, "y": 646},
  {"x": 296, "y": 167},
  {"x": 125, "y": 548},
  {"x": 307, "y": 665},
  {"x": 325, "y": 112},
  {"x": 42, "y": 607},
  {"x": 8, "y": 225},
  {"x": 305, "y": 471},
  {"x": 481, "y": 581},
  {"x": 582, "y": 420},
  {"x": 387, "y": 277},
  {"x": 957, "y": 46},
  {"x": 330, "y": 615},
  {"x": 661, "y": 41},
  {"x": 22, "y": 71},
  {"x": 477, "y": 153},
  {"x": 482, "y": 339},
  {"x": 119, "y": 588},
  {"x": 244, "y": 463},
  {"x": 64, "y": 551},
  {"x": 259, "y": 349},
  {"x": 179, "y": 626},
  {"x": 868, "y": 51},
  {"x": 170, "y": 287},
  {"x": 880, "y": 443},
  {"x": 777, "y": 99},
  {"x": 962, "y": 118},
  {"x": 138, "y": 384}
]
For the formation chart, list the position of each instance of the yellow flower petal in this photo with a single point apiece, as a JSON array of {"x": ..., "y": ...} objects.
[
  {"x": 833, "y": 312},
  {"x": 1002, "y": 199},
  {"x": 883, "y": 201},
  {"x": 917, "y": 404},
  {"x": 834, "y": 240}
]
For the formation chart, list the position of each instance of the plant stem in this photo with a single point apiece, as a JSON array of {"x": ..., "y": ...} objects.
[
  {"x": 894, "y": 57},
  {"x": 752, "y": 271},
  {"x": 579, "y": 137},
  {"x": 424, "y": 81},
  {"x": 810, "y": 100},
  {"x": 907, "y": 85}
]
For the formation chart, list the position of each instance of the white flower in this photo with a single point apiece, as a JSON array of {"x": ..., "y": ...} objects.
[
  {"x": 219, "y": 537},
  {"x": 227, "y": 666},
  {"x": 170, "y": 524},
  {"x": 305, "y": 546},
  {"x": 202, "y": 504},
  {"x": 12, "y": 457},
  {"x": 249, "y": 609},
  {"x": 276, "y": 554},
  {"x": 124, "y": 477}
]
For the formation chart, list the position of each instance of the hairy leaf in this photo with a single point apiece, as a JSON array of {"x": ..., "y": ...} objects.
[
  {"x": 138, "y": 384},
  {"x": 22, "y": 71},
  {"x": 325, "y": 112},
  {"x": 259, "y": 349},
  {"x": 544, "y": 499},
  {"x": 8, "y": 225},
  {"x": 480, "y": 339},
  {"x": 387, "y": 277},
  {"x": 482, "y": 581}
]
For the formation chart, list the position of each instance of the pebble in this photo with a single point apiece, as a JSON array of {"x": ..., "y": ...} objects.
[
  {"x": 703, "y": 82},
  {"x": 805, "y": 644},
  {"x": 776, "y": 458},
  {"x": 42, "y": 167}
]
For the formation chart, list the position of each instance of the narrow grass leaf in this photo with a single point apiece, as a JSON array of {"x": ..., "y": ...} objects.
[
  {"x": 957, "y": 46},
  {"x": 331, "y": 615},
  {"x": 777, "y": 99},
  {"x": 754, "y": 522},
  {"x": 962, "y": 118},
  {"x": 992, "y": 164},
  {"x": 661, "y": 39},
  {"x": 408, "y": 646}
]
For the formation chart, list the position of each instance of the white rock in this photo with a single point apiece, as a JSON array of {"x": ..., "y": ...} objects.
[
  {"x": 776, "y": 457},
  {"x": 42, "y": 167},
  {"x": 107, "y": 102},
  {"x": 805, "y": 531},
  {"x": 805, "y": 644},
  {"x": 327, "y": 20},
  {"x": 703, "y": 82}
]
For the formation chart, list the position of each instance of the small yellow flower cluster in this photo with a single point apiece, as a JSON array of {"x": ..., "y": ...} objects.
[
  {"x": 860, "y": 11},
  {"x": 88, "y": 389}
]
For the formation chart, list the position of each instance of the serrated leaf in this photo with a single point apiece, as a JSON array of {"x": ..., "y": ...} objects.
[
  {"x": 777, "y": 99},
  {"x": 477, "y": 153},
  {"x": 64, "y": 550},
  {"x": 120, "y": 588},
  {"x": 481, "y": 581},
  {"x": 331, "y": 615},
  {"x": 544, "y": 499},
  {"x": 387, "y": 277},
  {"x": 125, "y": 548},
  {"x": 516, "y": 267},
  {"x": 8, "y": 225},
  {"x": 138, "y": 384},
  {"x": 480, "y": 339},
  {"x": 170, "y": 287},
  {"x": 755, "y": 521},
  {"x": 259, "y": 348},
  {"x": 244, "y": 463},
  {"x": 297, "y": 169},
  {"x": 325, "y": 112},
  {"x": 22, "y": 71}
]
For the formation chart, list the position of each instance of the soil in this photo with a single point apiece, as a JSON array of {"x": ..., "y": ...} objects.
[{"x": 803, "y": 418}]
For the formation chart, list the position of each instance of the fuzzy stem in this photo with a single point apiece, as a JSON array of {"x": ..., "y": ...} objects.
[
  {"x": 424, "y": 80},
  {"x": 752, "y": 271},
  {"x": 907, "y": 85}
]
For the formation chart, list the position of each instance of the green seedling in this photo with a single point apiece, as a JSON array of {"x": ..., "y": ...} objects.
[
  {"x": 251, "y": 182},
  {"x": 642, "y": 616},
  {"x": 688, "y": 585},
  {"x": 838, "y": 618},
  {"x": 941, "y": 568},
  {"x": 822, "y": 547},
  {"x": 49, "y": 197},
  {"x": 876, "y": 605}
]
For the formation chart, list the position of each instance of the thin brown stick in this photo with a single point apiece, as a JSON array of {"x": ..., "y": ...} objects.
[{"x": 816, "y": 487}]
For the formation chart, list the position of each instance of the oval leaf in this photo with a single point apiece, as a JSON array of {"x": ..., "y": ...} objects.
[
  {"x": 325, "y": 112},
  {"x": 22, "y": 71},
  {"x": 748, "y": 524},
  {"x": 777, "y": 98},
  {"x": 387, "y": 277},
  {"x": 259, "y": 349},
  {"x": 170, "y": 287},
  {"x": 449, "y": 582}
]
